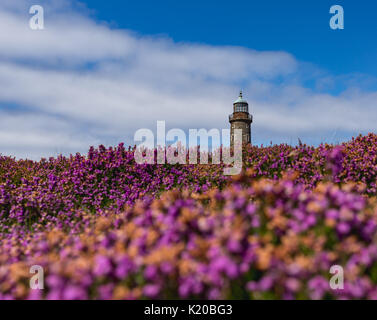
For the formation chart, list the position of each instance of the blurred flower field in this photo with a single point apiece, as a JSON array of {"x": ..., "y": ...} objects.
[{"x": 104, "y": 227}]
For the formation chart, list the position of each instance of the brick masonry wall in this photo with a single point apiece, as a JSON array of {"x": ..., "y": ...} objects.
[{"x": 246, "y": 131}]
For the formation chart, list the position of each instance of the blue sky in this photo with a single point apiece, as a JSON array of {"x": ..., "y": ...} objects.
[
  {"x": 101, "y": 70},
  {"x": 298, "y": 27}
]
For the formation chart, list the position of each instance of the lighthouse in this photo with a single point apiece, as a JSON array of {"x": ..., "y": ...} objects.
[{"x": 240, "y": 119}]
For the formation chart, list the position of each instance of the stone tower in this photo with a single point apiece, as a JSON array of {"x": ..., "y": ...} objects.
[{"x": 240, "y": 119}]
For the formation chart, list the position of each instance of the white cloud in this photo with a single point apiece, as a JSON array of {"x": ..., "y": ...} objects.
[{"x": 79, "y": 82}]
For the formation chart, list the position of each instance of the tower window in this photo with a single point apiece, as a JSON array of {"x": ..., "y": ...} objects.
[{"x": 240, "y": 107}]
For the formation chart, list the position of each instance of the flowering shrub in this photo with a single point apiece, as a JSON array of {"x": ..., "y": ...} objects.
[
  {"x": 104, "y": 179},
  {"x": 103, "y": 227}
]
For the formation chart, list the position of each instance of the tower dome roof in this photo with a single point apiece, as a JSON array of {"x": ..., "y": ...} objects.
[{"x": 240, "y": 99}]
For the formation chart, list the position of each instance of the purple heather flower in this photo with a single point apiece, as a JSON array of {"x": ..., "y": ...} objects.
[
  {"x": 102, "y": 266},
  {"x": 151, "y": 290},
  {"x": 343, "y": 228},
  {"x": 54, "y": 281},
  {"x": 74, "y": 293},
  {"x": 265, "y": 283},
  {"x": 150, "y": 272},
  {"x": 292, "y": 284}
]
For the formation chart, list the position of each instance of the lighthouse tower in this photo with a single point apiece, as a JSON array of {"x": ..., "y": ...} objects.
[{"x": 240, "y": 119}]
